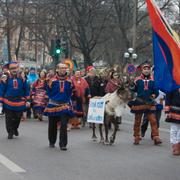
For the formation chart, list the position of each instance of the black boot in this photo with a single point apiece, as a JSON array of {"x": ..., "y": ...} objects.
[
  {"x": 16, "y": 133},
  {"x": 10, "y": 136},
  {"x": 63, "y": 148},
  {"x": 51, "y": 145},
  {"x": 119, "y": 120}
]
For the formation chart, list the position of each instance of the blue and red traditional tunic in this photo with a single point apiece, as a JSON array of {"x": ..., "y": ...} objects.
[
  {"x": 14, "y": 93},
  {"x": 59, "y": 91},
  {"x": 146, "y": 93}
]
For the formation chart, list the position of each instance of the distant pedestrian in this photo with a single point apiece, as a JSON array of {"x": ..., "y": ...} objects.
[
  {"x": 39, "y": 95},
  {"x": 113, "y": 83},
  {"x": 14, "y": 97},
  {"x": 31, "y": 78},
  {"x": 81, "y": 93},
  {"x": 94, "y": 86}
]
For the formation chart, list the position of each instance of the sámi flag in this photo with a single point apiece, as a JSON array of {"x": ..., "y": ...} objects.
[{"x": 166, "y": 49}]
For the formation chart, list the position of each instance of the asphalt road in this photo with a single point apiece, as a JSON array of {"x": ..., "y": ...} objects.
[{"x": 28, "y": 156}]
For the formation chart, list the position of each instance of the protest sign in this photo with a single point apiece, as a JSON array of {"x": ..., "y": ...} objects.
[{"x": 96, "y": 111}]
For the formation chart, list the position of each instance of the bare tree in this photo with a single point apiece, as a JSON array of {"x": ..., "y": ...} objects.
[
  {"x": 86, "y": 21},
  {"x": 13, "y": 13},
  {"x": 6, "y": 13},
  {"x": 144, "y": 28},
  {"x": 125, "y": 11},
  {"x": 19, "y": 17},
  {"x": 98, "y": 29}
]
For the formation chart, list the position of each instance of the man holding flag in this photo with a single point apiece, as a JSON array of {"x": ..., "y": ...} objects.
[{"x": 144, "y": 103}]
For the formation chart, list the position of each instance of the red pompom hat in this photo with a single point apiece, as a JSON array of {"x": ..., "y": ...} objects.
[{"x": 89, "y": 68}]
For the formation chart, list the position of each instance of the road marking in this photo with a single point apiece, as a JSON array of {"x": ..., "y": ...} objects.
[
  {"x": 161, "y": 129},
  {"x": 10, "y": 165}
]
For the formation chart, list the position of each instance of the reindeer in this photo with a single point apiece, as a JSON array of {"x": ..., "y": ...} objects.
[{"x": 115, "y": 102}]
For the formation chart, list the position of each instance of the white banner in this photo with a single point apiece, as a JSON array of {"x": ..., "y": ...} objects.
[{"x": 96, "y": 111}]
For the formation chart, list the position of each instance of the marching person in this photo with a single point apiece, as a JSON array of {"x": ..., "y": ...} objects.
[
  {"x": 113, "y": 83},
  {"x": 39, "y": 97},
  {"x": 31, "y": 78},
  {"x": 14, "y": 98},
  {"x": 172, "y": 109},
  {"x": 144, "y": 103},
  {"x": 94, "y": 86},
  {"x": 24, "y": 77},
  {"x": 93, "y": 82},
  {"x": 82, "y": 92},
  {"x": 5, "y": 70},
  {"x": 103, "y": 82},
  {"x": 59, "y": 107}
]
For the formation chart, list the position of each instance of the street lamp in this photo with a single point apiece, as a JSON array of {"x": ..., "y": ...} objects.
[
  {"x": 126, "y": 55},
  {"x": 102, "y": 2},
  {"x": 130, "y": 55}
]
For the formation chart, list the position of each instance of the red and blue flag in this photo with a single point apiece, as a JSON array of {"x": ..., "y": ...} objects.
[{"x": 166, "y": 48}]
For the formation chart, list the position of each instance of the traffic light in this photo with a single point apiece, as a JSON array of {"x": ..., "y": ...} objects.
[
  {"x": 65, "y": 48},
  {"x": 58, "y": 49}
]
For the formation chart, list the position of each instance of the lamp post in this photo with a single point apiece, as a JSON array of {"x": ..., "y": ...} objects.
[{"x": 130, "y": 56}]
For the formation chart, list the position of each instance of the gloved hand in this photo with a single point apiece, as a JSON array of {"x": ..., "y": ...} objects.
[{"x": 28, "y": 104}]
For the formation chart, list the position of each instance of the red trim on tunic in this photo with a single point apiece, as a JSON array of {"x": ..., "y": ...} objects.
[
  {"x": 143, "y": 107},
  {"x": 61, "y": 86},
  {"x": 56, "y": 109},
  {"x": 15, "y": 84},
  {"x": 143, "y": 77},
  {"x": 10, "y": 103}
]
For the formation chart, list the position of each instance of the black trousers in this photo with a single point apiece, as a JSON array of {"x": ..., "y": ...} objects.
[
  {"x": 145, "y": 122},
  {"x": 52, "y": 130},
  {"x": 13, "y": 119}
]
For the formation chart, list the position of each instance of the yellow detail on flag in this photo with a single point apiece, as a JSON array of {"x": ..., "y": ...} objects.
[{"x": 176, "y": 37}]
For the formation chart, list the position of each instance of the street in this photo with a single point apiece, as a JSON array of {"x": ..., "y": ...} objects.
[
  {"x": 89, "y": 59},
  {"x": 28, "y": 156}
]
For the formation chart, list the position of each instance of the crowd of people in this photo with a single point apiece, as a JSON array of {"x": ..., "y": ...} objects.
[{"x": 63, "y": 96}]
